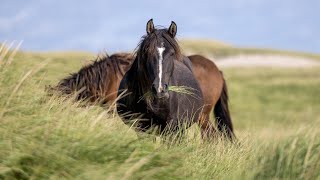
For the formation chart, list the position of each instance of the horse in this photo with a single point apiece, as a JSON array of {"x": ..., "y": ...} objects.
[
  {"x": 97, "y": 82},
  {"x": 158, "y": 65}
]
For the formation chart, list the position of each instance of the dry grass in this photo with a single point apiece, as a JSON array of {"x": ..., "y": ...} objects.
[{"x": 275, "y": 113}]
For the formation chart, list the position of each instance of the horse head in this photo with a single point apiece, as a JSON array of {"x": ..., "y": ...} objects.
[{"x": 156, "y": 54}]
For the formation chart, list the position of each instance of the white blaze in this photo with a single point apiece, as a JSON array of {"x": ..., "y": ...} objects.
[{"x": 160, "y": 51}]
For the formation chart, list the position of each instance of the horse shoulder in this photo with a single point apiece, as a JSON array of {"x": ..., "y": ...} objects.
[
  {"x": 183, "y": 76},
  {"x": 187, "y": 62}
]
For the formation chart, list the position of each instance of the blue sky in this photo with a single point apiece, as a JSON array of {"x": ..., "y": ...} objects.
[{"x": 98, "y": 25}]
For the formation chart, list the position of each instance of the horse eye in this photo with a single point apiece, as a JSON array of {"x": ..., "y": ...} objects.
[{"x": 172, "y": 53}]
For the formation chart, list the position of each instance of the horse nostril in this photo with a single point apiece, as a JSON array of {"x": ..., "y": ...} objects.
[{"x": 165, "y": 87}]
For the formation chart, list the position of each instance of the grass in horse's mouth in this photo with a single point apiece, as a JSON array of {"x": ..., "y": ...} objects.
[
  {"x": 181, "y": 89},
  {"x": 178, "y": 89}
]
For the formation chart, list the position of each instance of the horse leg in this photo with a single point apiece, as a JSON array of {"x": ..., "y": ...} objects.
[{"x": 206, "y": 127}]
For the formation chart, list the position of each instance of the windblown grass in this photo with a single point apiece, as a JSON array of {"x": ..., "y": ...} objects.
[{"x": 275, "y": 112}]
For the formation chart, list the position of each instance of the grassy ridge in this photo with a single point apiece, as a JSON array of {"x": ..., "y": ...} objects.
[
  {"x": 219, "y": 49},
  {"x": 276, "y": 114}
]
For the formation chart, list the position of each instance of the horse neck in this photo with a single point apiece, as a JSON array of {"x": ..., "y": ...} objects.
[{"x": 139, "y": 83}]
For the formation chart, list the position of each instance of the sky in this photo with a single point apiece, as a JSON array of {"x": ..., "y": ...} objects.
[{"x": 103, "y": 25}]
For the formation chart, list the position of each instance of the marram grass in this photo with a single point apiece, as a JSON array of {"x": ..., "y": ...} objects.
[
  {"x": 45, "y": 137},
  {"x": 177, "y": 89},
  {"x": 182, "y": 90}
]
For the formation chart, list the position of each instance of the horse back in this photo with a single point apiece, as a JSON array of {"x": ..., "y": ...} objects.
[{"x": 209, "y": 78}]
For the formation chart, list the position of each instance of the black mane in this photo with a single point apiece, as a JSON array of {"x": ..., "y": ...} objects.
[{"x": 92, "y": 81}]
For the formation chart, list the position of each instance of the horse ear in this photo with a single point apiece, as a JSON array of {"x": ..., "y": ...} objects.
[
  {"x": 150, "y": 26},
  {"x": 173, "y": 29}
]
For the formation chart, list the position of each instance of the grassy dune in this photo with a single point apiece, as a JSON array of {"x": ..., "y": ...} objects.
[
  {"x": 276, "y": 115},
  {"x": 220, "y": 49}
]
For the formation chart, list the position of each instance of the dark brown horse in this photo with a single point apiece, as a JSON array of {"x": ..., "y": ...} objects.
[
  {"x": 158, "y": 66},
  {"x": 100, "y": 80},
  {"x": 214, "y": 90}
]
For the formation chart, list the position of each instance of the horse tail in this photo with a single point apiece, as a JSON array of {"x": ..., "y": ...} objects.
[{"x": 222, "y": 113}]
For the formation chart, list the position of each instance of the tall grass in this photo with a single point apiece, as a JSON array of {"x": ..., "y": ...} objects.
[{"x": 45, "y": 137}]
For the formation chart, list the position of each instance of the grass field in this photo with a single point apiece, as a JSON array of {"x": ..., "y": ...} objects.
[
  {"x": 276, "y": 114},
  {"x": 219, "y": 49}
]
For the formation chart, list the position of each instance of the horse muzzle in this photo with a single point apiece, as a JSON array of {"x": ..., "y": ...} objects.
[{"x": 160, "y": 92}]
